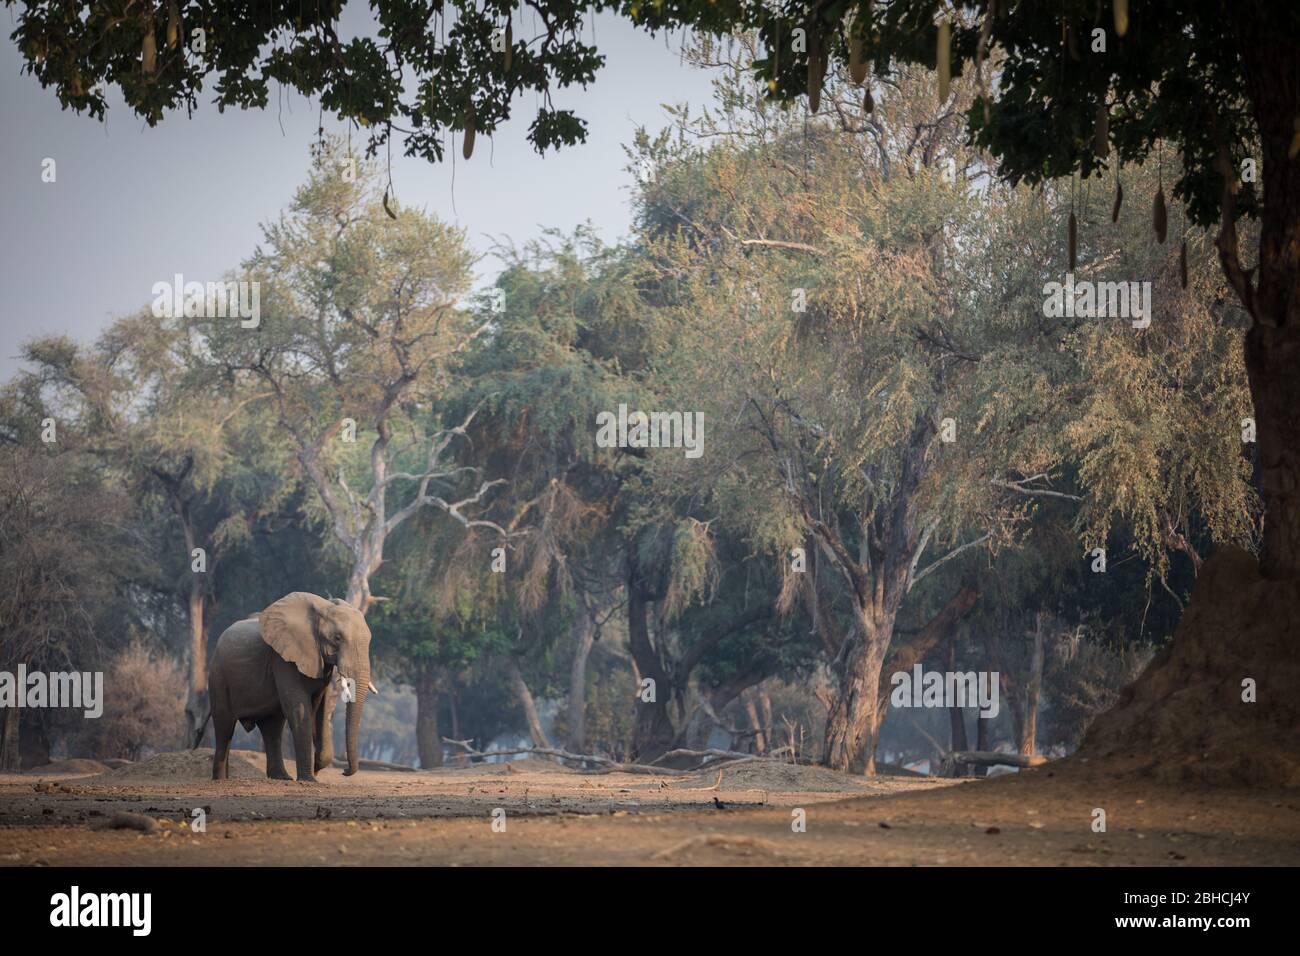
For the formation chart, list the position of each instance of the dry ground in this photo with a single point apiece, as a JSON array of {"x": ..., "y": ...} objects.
[{"x": 555, "y": 816}]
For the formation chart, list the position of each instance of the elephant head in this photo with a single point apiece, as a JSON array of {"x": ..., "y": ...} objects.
[{"x": 314, "y": 634}]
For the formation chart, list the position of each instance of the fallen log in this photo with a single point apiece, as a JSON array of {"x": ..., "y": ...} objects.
[
  {"x": 703, "y": 755},
  {"x": 897, "y": 770},
  {"x": 605, "y": 764},
  {"x": 989, "y": 758}
]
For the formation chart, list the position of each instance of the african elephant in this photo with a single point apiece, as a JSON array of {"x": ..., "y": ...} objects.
[{"x": 278, "y": 666}]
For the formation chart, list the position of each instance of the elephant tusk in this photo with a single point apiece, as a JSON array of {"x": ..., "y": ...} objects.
[{"x": 373, "y": 688}]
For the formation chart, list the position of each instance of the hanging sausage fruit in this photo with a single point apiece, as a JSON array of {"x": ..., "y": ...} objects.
[
  {"x": 1074, "y": 241},
  {"x": 1160, "y": 216},
  {"x": 149, "y": 50},
  {"x": 858, "y": 48},
  {"x": 816, "y": 68},
  {"x": 943, "y": 59},
  {"x": 1121, "y": 17},
  {"x": 467, "y": 148},
  {"x": 173, "y": 24},
  {"x": 1101, "y": 132}
]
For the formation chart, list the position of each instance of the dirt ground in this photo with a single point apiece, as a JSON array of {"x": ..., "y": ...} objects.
[{"x": 555, "y": 816}]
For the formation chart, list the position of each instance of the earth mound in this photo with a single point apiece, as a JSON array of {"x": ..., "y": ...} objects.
[
  {"x": 778, "y": 776},
  {"x": 1184, "y": 719},
  {"x": 183, "y": 766},
  {"x": 73, "y": 765}
]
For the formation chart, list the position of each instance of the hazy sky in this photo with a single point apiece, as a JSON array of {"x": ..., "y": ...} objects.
[{"x": 134, "y": 205}]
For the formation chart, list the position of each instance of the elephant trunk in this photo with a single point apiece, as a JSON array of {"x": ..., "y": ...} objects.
[{"x": 354, "y": 708}]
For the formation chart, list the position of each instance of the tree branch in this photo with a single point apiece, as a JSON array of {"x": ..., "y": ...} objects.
[{"x": 948, "y": 557}]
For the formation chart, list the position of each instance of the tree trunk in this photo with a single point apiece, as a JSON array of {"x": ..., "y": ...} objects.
[
  {"x": 1272, "y": 351},
  {"x": 358, "y": 593},
  {"x": 981, "y": 741},
  {"x": 33, "y": 741},
  {"x": 755, "y": 723},
  {"x": 584, "y": 634},
  {"x": 652, "y": 734},
  {"x": 1273, "y": 367},
  {"x": 9, "y": 740},
  {"x": 853, "y": 720},
  {"x": 520, "y": 686},
  {"x": 956, "y": 715},
  {"x": 427, "y": 740},
  {"x": 196, "y": 703},
  {"x": 1009, "y": 688},
  {"x": 1033, "y": 686},
  {"x": 990, "y": 760},
  {"x": 196, "y": 700}
]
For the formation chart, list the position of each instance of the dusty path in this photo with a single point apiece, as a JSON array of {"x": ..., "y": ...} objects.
[{"x": 554, "y": 816}]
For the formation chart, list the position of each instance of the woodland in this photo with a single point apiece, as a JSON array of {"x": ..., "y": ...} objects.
[{"x": 842, "y": 264}]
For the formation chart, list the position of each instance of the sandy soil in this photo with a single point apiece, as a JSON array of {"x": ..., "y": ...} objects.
[{"x": 557, "y": 816}]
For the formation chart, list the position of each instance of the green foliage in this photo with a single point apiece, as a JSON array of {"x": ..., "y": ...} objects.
[
  {"x": 426, "y": 68},
  {"x": 1176, "y": 76}
]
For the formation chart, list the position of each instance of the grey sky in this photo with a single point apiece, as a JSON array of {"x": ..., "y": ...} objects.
[{"x": 133, "y": 205}]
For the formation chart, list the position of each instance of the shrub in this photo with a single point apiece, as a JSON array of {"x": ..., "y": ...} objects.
[{"x": 144, "y": 705}]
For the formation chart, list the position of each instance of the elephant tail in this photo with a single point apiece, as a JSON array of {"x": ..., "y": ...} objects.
[{"x": 198, "y": 734}]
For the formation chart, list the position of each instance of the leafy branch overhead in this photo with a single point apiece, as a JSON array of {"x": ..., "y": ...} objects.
[{"x": 426, "y": 68}]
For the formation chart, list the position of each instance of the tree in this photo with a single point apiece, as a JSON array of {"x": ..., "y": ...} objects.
[
  {"x": 63, "y": 552},
  {"x": 428, "y": 637},
  {"x": 359, "y": 330},
  {"x": 429, "y": 68},
  {"x": 858, "y": 411},
  {"x": 892, "y": 394},
  {"x": 140, "y": 399},
  {"x": 567, "y": 343},
  {"x": 359, "y": 323}
]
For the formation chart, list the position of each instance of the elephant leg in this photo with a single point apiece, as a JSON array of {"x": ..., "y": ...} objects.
[
  {"x": 223, "y": 729},
  {"x": 272, "y": 729},
  {"x": 324, "y": 733},
  {"x": 297, "y": 703},
  {"x": 301, "y": 719}
]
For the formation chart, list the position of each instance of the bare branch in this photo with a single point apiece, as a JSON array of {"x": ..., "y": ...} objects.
[
  {"x": 920, "y": 550},
  {"x": 1019, "y": 487},
  {"x": 948, "y": 557}
]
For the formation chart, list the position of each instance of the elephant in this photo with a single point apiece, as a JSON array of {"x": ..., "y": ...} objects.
[{"x": 278, "y": 666}]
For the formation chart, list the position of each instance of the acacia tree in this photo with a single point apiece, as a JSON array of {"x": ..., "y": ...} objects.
[
  {"x": 64, "y": 549},
  {"x": 138, "y": 399},
  {"x": 1160, "y": 462},
  {"x": 1064, "y": 90},
  {"x": 359, "y": 324},
  {"x": 847, "y": 292},
  {"x": 890, "y": 386},
  {"x": 572, "y": 341}
]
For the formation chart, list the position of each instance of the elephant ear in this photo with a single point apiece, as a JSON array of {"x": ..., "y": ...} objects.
[{"x": 288, "y": 626}]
